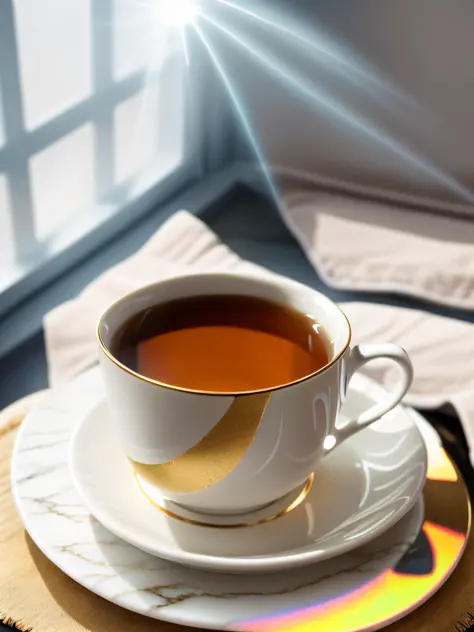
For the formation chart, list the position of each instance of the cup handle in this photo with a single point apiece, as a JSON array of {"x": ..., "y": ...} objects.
[{"x": 359, "y": 356}]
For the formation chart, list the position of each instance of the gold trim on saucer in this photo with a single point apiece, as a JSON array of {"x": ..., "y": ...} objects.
[{"x": 237, "y": 525}]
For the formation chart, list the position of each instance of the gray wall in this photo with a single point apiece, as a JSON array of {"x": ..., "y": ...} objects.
[{"x": 425, "y": 47}]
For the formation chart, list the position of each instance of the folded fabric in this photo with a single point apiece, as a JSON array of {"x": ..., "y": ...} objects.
[
  {"x": 356, "y": 244},
  {"x": 441, "y": 349}
]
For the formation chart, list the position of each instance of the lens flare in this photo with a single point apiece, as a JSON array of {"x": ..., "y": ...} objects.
[
  {"x": 170, "y": 21},
  {"x": 177, "y": 12}
]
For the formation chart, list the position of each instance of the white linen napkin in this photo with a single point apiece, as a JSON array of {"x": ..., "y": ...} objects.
[
  {"x": 441, "y": 348},
  {"x": 356, "y": 244}
]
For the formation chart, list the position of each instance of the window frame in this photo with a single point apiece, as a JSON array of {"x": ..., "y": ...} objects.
[{"x": 209, "y": 146}]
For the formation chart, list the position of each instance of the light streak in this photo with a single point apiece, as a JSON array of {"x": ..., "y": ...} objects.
[{"x": 317, "y": 98}]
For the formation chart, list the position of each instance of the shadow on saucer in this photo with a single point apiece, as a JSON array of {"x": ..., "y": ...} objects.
[{"x": 298, "y": 531}]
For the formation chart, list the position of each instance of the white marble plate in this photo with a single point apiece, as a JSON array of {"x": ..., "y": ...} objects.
[
  {"x": 359, "y": 491},
  {"x": 362, "y": 590},
  {"x": 64, "y": 530}
]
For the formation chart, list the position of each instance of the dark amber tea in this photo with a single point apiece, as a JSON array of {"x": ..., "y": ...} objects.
[{"x": 222, "y": 344}]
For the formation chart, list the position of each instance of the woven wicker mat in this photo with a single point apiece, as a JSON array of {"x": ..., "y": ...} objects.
[{"x": 35, "y": 595}]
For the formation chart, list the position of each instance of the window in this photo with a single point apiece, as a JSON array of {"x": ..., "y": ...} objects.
[{"x": 93, "y": 115}]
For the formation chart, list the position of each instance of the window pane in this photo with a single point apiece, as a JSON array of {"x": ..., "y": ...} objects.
[
  {"x": 136, "y": 133},
  {"x": 62, "y": 180},
  {"x": 173, "y": 107},
  {"x": 130, "y": 51},
  {"x": 54, "y": 44},
  {"x": 140, "y": 41},
  {"x": 7, "y": 249},
  {"x": 149, "y": 127},
  {"x": 92, "y": 140}
]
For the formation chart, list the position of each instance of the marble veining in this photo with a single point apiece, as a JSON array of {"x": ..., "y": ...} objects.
[{"x": 59, "y": 523}]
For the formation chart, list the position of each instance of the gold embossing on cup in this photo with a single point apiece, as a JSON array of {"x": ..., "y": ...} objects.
[{"x": 216, "y": 455}]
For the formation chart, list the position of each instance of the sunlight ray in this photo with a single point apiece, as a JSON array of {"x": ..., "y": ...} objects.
[
  {"x": 240, "y": 110},
  {"x": 317, "y": 98},
  {"x": 184, "y": 41},
  {"x": 327, "y": 52}
]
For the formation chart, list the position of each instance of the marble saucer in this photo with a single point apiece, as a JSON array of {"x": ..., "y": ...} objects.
[
  {"x": 361, "y": 590},
  {"x": 359, "y": 491}
]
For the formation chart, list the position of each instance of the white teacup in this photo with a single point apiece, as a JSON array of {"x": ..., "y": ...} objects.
[{"x": 233, "y": 453}]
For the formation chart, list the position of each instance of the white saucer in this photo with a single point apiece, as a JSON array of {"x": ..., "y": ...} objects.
[
  {"x": 359, "y": 491},
  {"x": 383, "y": 572}
]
